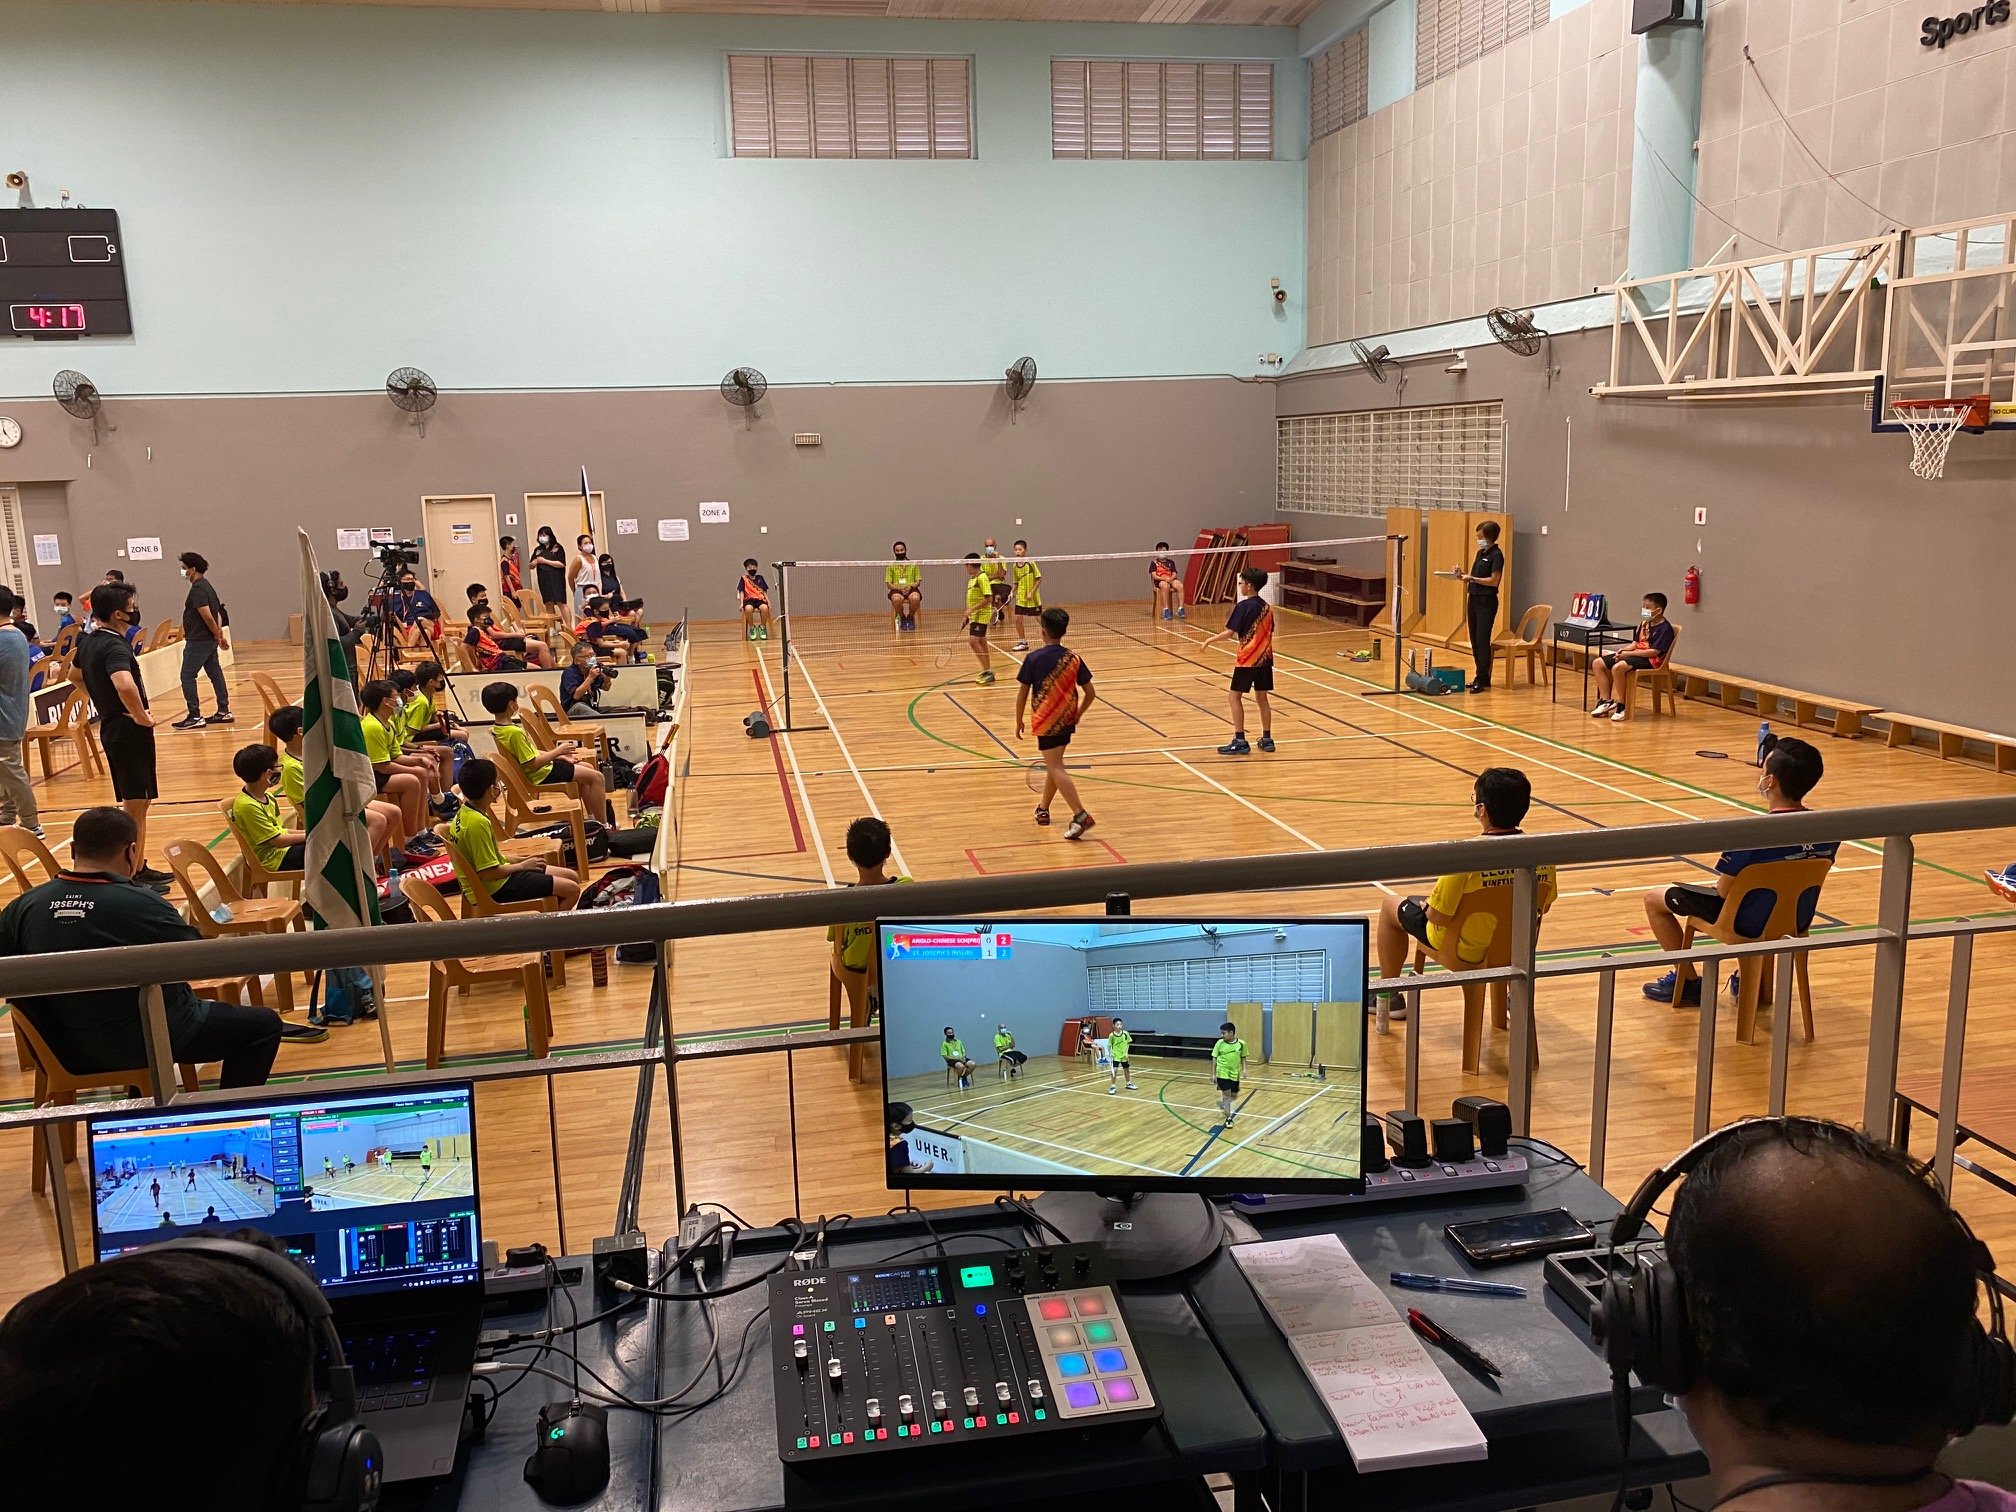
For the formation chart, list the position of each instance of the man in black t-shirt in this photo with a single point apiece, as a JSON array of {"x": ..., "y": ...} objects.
[
  {"x": 106, "y": 669},
  {"x": 203, "y": 638},
  {"x": 1486, "y": 573},
  {"x": 91, "y": 904}
]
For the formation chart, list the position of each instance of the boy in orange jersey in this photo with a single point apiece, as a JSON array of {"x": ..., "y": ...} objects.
[
  {"x": 1061, "y": 685},
  {"x": 1251, "y": 623}
]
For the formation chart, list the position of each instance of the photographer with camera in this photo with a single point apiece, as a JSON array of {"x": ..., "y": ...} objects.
[{"x": 584, "y": 682}]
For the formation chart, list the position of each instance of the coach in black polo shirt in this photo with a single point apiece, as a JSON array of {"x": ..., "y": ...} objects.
[
  {"x": 1483, "y": 578},
  {"x": 92, "y": 903},
  {"x": 106, "y": 666}
]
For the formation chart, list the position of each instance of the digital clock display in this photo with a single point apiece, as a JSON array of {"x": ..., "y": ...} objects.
[{"x": 35, "y": 319}]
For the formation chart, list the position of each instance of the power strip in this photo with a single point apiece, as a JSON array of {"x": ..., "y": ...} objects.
[{"x": 1436, "y": 1179}]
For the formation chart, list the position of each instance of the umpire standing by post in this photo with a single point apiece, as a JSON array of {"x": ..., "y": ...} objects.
[{"x": 1483, "y": 578}]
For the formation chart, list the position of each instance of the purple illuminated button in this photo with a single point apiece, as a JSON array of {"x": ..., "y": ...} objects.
[
  {"x": 1082, "y": 1394},
  {"x": 797, "y": 1330},
  {"x": 1122, "y": 1391},
  {"x": 1107, "y": 1361}
]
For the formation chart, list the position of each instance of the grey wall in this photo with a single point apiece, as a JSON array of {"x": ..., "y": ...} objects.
[
  {"x": 1033, "y": 992},
  {"x": 1085, "y": 467},
  {"x": 1825, "y": 565}
]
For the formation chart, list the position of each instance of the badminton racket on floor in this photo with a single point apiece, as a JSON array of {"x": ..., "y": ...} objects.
[{"x": 1037, "y": 775}]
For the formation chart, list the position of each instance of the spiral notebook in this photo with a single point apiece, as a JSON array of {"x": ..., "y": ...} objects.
[{"x": 1392, "y": 1403}]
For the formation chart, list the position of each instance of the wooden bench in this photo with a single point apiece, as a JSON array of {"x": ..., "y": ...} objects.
[
  {"x": 1953, "y": 739},
  {"x": 1728, "y": 690}
]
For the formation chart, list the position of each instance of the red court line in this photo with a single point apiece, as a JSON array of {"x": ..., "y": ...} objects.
[
  {"x": 777, "y": 755},
  {"x": 974, "y": 859}
]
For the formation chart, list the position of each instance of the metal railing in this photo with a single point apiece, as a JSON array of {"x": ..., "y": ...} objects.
[{"x": 1890, "y": 938}]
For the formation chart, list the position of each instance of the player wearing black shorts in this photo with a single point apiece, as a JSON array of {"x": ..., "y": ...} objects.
[
  {"x": 1054, "y": 693},
  {"x": 1251, "y": 624},
  {"x": 110, "y": 675},
  {"x": 1615, "y": 673},
  {"x": 1228, "y": 1059}
]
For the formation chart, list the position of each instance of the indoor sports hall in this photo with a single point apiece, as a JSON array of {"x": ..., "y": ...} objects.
[{"x": 921, "y": 633}]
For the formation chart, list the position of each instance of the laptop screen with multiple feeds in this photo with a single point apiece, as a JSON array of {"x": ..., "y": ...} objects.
[
  {"x": 1037, "y": 1054},
  {"x": 374, "y": 1193}
]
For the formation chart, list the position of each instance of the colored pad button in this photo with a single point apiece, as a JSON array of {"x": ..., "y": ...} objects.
[
  {"x": 1082, "y": 1394},
  {"x": 1099, "y": 1333},
  {"x": 1122, "y": 1391},
  {"x": 1090, "y": 1306},
  {"x": 1064, "y": 1337},
  {"x": 1054, "y": 1309},
  {"x": 860, "y": 1322},
  {"x": 797, "y": 1330},
  {"x": 1072, "y": 1365},
  {"x": 1107, "y": 1361}
]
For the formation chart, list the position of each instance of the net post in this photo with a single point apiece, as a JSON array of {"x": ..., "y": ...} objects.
[
  {"x": 1399, "y": 603},
  {"x": 784, "y": 623}
]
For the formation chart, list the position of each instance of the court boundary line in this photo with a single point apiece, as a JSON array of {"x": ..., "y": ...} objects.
[
  {"x": 791, "y": 751},
  {"x": 1279, "y": 1123},
  {"x": 833, "y": 726},
  {"x": 1246, "y": 802}
]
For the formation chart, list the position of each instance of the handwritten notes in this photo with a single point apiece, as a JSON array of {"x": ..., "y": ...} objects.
[{"x": 1391, "y": 1402}]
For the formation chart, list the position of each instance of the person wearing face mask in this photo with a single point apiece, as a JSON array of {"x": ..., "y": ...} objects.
[
  {"x": 584, "y": 573},
  {"x": 63, "y": 604},
  {"x": 107, "y": 670},
  {"x": 897, "y": 1119},
  {"x": 203, "y": 638},
  {"x": 549, "y": 563},
  {"x": 1615, "y": 672},
  {"x": 1485, "y": 576},
  {"x": 906, "y": 587},
  {"x": 1791, "y": 771}
]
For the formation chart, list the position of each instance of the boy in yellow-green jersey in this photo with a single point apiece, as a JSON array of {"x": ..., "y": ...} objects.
[
  {"x": 255, "y": 812},
  {"x": 1006, "y": 1053},
  {"x": 906, "y": 587},
  {"x": 979, "y": 613},
  {"x": 384, "y": 820},
  {"x": 544, "y": 768},
  {"x": 957, "y": 1060},
  {"x": 1118, "y": 1043},
  {"x": 1228, "y": 1059},
  {"x": 996, "y": 567},
  {"x": 1028, "y": 593},
  {"x": 473, "y": 832}
]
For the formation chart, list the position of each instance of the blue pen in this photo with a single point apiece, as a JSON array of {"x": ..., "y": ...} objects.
[{"x": 1412, "y": 1281}]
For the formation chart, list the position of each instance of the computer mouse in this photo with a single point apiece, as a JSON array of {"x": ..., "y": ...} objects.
[{"x": 570, "y": 1462}]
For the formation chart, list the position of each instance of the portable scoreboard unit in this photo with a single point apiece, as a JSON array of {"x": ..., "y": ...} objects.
[
  {"x": 63, "y": 274},
  {"x": 1586, "y": 609}
]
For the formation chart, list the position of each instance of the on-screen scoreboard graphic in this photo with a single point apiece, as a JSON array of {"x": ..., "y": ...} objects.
[
  {"x": 63, "y": 274},
  {"x": 969, "y": 945}
]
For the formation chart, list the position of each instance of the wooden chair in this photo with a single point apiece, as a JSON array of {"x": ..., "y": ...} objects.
[
  {"x": 256, "y": 878},
  {"x": 464, "y": 972},
  {"x": 64, "y": 643},
  {"x": 1528, "y": 642},
  {"x": 1794, "y": 889},
  {"x": 272, "y": 700},
  {"x": 167, "y": 633},
  {"x": 1658, "y": 680},
  {"x": 50, "y": 672},
  {"x": 1496, "y": 904},
  {"x": 532, "y": 612},
  {"x": 465, "y": 657},
  {"x": 477, "y": 903},
  {"x": 194, "y": 867},
  {"x": 72, "y": 723},
  {"x": 57, "y": 1084},
  {"x": 527, "y": 806},
  {"x": 550, "y": 730}
]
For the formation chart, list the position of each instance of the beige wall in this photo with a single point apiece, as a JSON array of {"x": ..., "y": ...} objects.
[
  {"x": 1928, "y": 135},
  {"x": 1509, "y": 182}
]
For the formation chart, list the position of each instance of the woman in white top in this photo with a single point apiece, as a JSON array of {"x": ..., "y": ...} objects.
[{"x": 584, "y": 573}]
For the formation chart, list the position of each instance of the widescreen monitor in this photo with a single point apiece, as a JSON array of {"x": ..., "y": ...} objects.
[
  {"x": 373, "y": 1192},
  {"x": 1056, "y": 1113}
]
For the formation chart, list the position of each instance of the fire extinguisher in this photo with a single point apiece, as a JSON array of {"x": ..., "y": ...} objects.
[{"x": 1692, "y": 593}]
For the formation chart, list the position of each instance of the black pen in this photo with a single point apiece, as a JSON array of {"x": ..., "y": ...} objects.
[{"x": 1434, "y": 1333}]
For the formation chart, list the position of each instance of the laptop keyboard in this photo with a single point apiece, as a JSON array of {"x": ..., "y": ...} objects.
[{"x": 394, "y": 1368}]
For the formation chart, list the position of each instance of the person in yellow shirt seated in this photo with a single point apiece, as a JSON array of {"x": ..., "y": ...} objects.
[
  {"x": 473, "y": 832},
  {"x": 953, "y": 1049},
  {"x": 555, "y": 766},
  {"x": 905, "y": 580},
  {"x": 255, "y": 812},
  {"x": 386, "y": 823},
  {"x": 1503, "y": 797},
  {"x": 403, "y": 779},
  {"x": 423, "y": 730}
]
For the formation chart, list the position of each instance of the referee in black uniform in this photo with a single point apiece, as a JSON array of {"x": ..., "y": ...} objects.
[{"x": 1483, "y": 578}]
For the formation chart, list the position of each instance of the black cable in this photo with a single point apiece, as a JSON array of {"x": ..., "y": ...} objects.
[
  {"x": 740, "y": 1286},
  {"x": 723, "y": 1207},
  {"x": 957, "y": 1234},
  {"x": 911, "y": 1207},
  {"x": 1031, "y": 1216},
  {"x": 1546, "y": 1150},
  {"x": 520, "y": 1340},
  {"x": 1674, "y": 1497}
]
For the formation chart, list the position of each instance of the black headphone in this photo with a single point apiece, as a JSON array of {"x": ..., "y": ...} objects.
[
  {"x": 334, "y": 1463},
  {"x": 1642, "y": 1324}
]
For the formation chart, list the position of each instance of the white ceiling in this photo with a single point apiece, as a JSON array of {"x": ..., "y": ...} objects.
[{"x": 1205, "y": 12}]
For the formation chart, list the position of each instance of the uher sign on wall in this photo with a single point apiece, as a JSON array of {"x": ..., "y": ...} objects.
[{"x": 1940, "y": 30}]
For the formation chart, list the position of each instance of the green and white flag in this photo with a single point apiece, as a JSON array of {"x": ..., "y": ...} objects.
[{"x": 341, "y": 886}]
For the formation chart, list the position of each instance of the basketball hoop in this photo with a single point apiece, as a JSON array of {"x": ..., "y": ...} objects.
[{"x": 1934, "y": 423}]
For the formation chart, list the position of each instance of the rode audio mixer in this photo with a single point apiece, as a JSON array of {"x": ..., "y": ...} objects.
[{"x": 967, "y": 1348}]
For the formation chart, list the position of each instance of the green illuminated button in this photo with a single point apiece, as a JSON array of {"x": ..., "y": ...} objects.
[
  {"x": 834, "y": 1441},
  {"x": 1000, "y": 1420},
  {"x": 801, "y": 1443},
  {"x": 1041, "y": 1414},
  {"x": 829, "y": 1325},
  {"x": 976, "y": 1277},
  {"x": 934, "y": 1427},
  {"x": 969, "y": 1422},
  {"x": 1099, "y": 1333},
  {"x": 902, "y": 1430}
]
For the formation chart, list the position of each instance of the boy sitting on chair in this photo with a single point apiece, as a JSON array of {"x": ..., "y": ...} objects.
[
  {"x": 1791, "y": 771},
  {"x": 755, "y": 596},
  {"x": 1167, "y": 584},
  {"x": 1012, "y": 1060},
  {"x": 905, "y": 580},
  {"x": 544, "y": 768},
  {"x": 384, "y": 820},
  {"x": 1615, "y": 672},
  {"x": 474, "y": 833},
  {"x": 255, "y": 812}
]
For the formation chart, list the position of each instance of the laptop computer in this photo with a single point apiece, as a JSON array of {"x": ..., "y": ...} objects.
[{"x": 375, "y": 1193}]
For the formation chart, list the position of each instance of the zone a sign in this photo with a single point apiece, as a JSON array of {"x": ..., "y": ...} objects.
[{"x": 1939, "y": 30}]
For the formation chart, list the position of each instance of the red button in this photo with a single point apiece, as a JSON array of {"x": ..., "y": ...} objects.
[
  {"x": 1014, "y": 1417},
  {"x": 1054, "y": 1309},
  {"x": 979, "y": 1422},
  {"x": 1090, "y": 1307},
  {"x": 846, "y": 1438}
]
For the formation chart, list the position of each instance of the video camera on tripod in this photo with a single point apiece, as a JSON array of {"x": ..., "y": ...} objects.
[{"x": 394, "y": 556}]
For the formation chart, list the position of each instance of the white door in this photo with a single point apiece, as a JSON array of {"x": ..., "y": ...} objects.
[
  {"x": 461, "y": 546},
  {"x": 563, "y": 511}
]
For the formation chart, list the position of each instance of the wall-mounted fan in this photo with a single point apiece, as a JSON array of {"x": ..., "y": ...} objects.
[
  {"x": 1019, "y": 380},
  {"x": 743, "y": 387},
  {"x": 414, "y": 392},
  {"x": 1515, "y": 331},
  {"x": 1377, "y": 360},
  {"x": 79, "y": 396}
]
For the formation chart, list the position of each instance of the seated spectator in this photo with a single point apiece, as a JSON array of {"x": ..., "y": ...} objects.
[
  {"x": 385, "y": 821},
  {"x": 65, "y": 607},
  {"x": 1503, "y": 796},
  {"x": 753, "y": 590},
  {"x": 1828, "y": 1301},
  {"x": 414, "y": 607},
  {"x": 1791, "y": 771},
  {"x": 423, "y": 730},
  {"x": 855, "y": 957},
  {"x": 400, "y": 779},
  {"x": 584, "y": 682},
  {"x": 612, "y": 589},
  {"x": 897, "y": 1121},
  {"x": 602, "y": 629},
  {"x": 542, "y": 767},
  {"x": 255, "y": 812},
  {"x": 433, "y": 763},
  {"x": 97, "y": 1347},
  {"x": 498, "y": 652},
  {"x": 1615, "y": 672},
  {"x": 473, "y": 831},
  {"x": 957, "y": 1061},
  {"x": 1167, "y": 584},
  {"x": 93, "y": 903}
]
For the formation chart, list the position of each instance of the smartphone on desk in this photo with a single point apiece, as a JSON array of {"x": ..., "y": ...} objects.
[{"x": 1521, "y": 1236}]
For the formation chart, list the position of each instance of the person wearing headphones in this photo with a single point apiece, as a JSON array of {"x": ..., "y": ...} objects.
[
  {"x": 1815, "y": 1316},
  {"x": 197, "y": 1357}
]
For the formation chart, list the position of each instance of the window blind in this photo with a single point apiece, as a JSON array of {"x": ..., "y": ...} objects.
[
  {"x": 1451, "y": 33},
  {"x": 1110, "y": 108},
  {"x": 1339, "y": 83},
  {"x": 1208, "y": 984},
  {"x": 787, "y": 106},
  {"x": 1449, "y": 456}
]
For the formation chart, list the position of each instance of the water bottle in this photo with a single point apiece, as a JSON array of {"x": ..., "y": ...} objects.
[
  {"x": 221, "y": 914},
  {"x": 392, "y": 893},
  {"x": 1765, "y": 741}
]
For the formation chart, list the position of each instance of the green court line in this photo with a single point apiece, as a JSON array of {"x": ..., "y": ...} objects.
[{"x": 1163, "y": 1098}]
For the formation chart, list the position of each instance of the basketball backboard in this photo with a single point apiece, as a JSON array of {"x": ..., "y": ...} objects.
[{"x": 1950, "y": 320}]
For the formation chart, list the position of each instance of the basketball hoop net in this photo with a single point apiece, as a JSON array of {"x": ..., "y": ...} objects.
[{"x": 1933, "y": 423}]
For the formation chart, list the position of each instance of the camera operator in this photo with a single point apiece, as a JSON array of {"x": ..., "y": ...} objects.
[{"x": 584, "y": 682}]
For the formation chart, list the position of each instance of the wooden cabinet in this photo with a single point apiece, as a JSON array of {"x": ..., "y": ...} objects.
[{"x": 1332, "y": 592}]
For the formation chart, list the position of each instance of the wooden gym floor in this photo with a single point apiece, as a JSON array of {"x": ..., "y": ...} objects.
[{"x": 911, "y": 735}]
